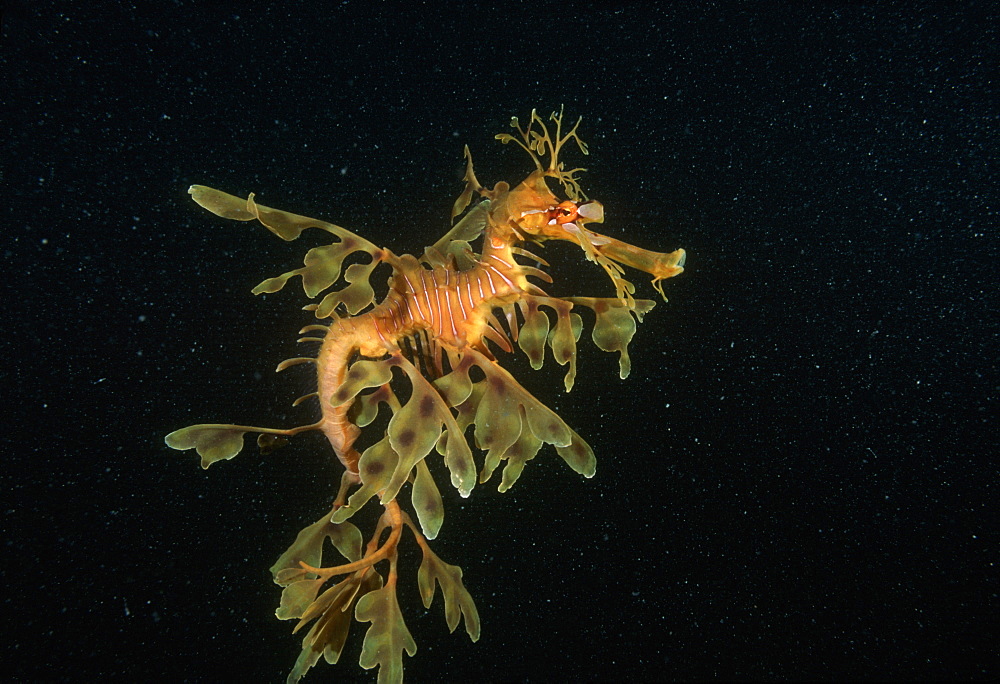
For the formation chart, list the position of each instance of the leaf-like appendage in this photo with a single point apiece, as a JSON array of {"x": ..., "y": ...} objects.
[
  {"x": 308, "y": 548},
  {"x": 413, "y": 430},
  {"x": 613, "y": 331},
  {"x": 388, "y": 636},
  {"x": 542, "y": 420},
  {"x": 458, "y": 458},
  {"x": 321, "y": 269},
  {"x": 533, "y": 333},
  {"x": 367, "y": 405},
  {"x": 213, "y": 442},
  {"x": 334, "y": 609},
  {"x": 456, "y": 386},
  {"x": 355, "y": 297},
  {"x": 519, "y": 453},
  {"x": 417, "y": 427},
  {"x": 222, "y": 204},
  {"x": 563, "y": 339},
  {"x": 512, "y": 424},
  {"x": 456, "y": 240},
  {"x": 297, "y": 596},
  {"x": 427, "y": 501},
  {"x": 322, "y": 265},
  {"x": 579, "y": 456},
  {"x": 457, "y": 600},
  {"x": 615, "y": 325},
  {"x": 498, "y": 419},
  {"x": 362, "y": 375},
  {"x": 376, "y": 467}
]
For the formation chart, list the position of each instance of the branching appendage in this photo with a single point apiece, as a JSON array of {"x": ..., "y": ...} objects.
[
  {"x": 363, "y": 593},
  {"x": 394, "y": 520},
  {"x": 541, "y": 143}
]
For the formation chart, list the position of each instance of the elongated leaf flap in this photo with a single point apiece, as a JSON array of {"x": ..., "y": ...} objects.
[
  {"x": 533, "y": 333},
  {"x": 468, "y": 229},
  {"x": 417, "y": 427},
  {"x": 375, "y": 467},
  {"x": 221, "y": 203},
  {"x": 458, "y": 458},
  {"x": 361, "y": 375},
  {"x": 387, "y": 637},
  {"x": 456, "y": 385},
  {"x": 613, "y": 331},
  {"x": 498, "y": 419},
  {"x": 615, "y": 325},
  {"x": 322, "y": 265},
  {"x": 458, "y": 602},
  {"x": 334, "y": 608},
  {"x": 427, "y": 501},
  {"x": 355, "y": 297},
  {"x": 297, "y": 597},
  {"x": 213, "y": 442},
  {"x": 337, "y": 597},
  {"x": 321, "y": 270},
  {"x": 563, "y": 338},
  {"x": 579, "y": 456},
  {"x": 519, "y": 453},
  {"x": 284, "y": 224},
  {"x": 413, "y": 431},
  {"x": 368, "y": 404}
]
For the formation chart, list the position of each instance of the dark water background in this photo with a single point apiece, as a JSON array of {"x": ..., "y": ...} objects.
[{"x": 799, "y": 479}]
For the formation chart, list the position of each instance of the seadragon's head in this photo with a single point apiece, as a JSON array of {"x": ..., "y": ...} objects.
[{"x": 536, "y": 214}]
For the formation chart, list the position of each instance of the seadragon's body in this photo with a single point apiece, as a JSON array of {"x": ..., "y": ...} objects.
[{"x": 436, "y": 327}]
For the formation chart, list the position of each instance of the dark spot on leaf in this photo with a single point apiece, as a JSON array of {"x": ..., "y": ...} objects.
[
  {"x": 498, "y": 386},
  {"x": 270, "y": 443},
  {"x": 374, "y": 467},
  {"x": 406, "y": 438},
  {"x": 427, "y": 406}
]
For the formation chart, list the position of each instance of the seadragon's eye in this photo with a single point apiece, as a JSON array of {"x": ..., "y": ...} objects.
[{"x": 565, "y": 212}]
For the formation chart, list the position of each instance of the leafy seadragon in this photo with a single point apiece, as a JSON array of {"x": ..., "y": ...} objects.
[{"x": 431, "y": 341}]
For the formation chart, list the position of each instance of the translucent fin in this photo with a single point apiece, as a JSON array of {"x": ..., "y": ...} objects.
[
  {"x": 284, "y": 224},
  {"x": 468, "y": 229},
  {"x": 471, "y": 185}
]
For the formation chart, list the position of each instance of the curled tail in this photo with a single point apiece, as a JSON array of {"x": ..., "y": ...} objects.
[{"x": 343, "y": 339}]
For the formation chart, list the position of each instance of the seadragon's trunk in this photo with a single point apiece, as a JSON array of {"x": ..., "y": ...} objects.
[{"x": 342, "y": 340}]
